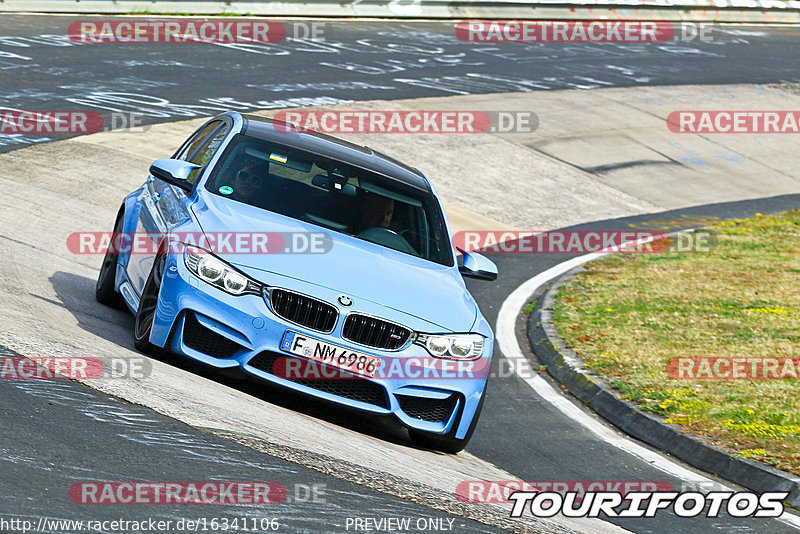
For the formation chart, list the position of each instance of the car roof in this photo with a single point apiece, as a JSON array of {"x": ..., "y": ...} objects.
[{"x": 334, "y": 148}]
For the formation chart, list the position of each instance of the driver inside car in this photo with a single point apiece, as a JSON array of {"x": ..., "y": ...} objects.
[
  {"x": 376, "y": 215},
  {"x": 375, "y": 211}
]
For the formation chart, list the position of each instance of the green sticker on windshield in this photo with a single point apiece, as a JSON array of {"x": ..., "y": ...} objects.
[{"x": 226, "y": 190}]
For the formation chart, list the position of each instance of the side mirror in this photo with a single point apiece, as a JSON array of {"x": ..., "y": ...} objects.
[
  {"x": 174, "y": 171},
  {"x": 477, "y": 266}
]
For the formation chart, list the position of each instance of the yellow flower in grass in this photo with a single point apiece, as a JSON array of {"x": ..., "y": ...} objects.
[
  {"x": 772, "y": 310},
  {"x": 679, "y": 420},
  {"x": 762, "y": 429},
  {"x": 752, "y": 453}
]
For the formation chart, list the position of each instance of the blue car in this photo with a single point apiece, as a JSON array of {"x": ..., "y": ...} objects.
[{"x": 310, "y": 263}]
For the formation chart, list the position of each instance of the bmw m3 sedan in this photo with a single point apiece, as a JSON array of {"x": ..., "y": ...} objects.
[{"x": 310, "y": 263}]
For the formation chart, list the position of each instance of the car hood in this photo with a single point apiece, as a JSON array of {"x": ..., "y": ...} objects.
[{"x": 362, "y": 270}]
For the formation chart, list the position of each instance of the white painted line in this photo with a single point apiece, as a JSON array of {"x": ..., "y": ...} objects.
[{"x": 507, "y": 340}]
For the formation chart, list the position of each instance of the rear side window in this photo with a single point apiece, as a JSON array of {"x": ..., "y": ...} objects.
[
  {"x": 196, "y": 140},
  {"x": 206, "y": 150}
]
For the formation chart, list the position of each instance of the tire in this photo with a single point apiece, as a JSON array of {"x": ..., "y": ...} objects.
[
  {"x": 448, "y": 444},
  {"x": 145, "y": 314},
  {"x": 104, "y": 290}
]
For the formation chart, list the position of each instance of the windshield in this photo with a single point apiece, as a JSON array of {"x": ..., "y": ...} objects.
[{"x": 332, "y": 194}]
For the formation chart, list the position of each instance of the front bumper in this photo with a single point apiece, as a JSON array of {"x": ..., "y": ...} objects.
[{"x": 202, "y": 322}]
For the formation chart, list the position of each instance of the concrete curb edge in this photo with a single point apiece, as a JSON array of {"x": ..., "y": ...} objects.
[{"x": 567, "y": 368}]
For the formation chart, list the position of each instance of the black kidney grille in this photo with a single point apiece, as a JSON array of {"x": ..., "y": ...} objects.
[
  {"x": 351, "y": 388},
  {"x": 201, "y": 339},
  {"x": 434, "y": 410},
  {"x": 375, "y": 332},
  {"x": 306, "y": 311}
]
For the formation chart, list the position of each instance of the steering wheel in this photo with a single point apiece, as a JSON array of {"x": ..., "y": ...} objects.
[{"x": 388, "y": 238}]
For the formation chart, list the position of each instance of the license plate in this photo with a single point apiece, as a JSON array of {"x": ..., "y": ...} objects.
[{"x": 323, "y": 352}]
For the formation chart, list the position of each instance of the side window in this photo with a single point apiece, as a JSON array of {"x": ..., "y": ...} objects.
[
  {"x": 201, "y": 152},
  {"x": 191, "y": 145}
]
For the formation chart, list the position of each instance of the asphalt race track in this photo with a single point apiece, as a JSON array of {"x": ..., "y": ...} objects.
[
  {"x": 43, "y": 69},
  {"x": 129, "y": 442},
  {"x": 61, "y": 432}
]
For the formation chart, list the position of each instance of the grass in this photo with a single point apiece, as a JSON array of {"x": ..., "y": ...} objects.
[
  {"x": 628, "y": 314},
  {"x": 529, "y": 308}
]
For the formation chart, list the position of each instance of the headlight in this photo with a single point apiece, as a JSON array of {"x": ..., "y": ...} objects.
[
  {"x": 216, "y": 272},
  {"x": 210, "y": 269},
  {"x": 454, "y": 346}
]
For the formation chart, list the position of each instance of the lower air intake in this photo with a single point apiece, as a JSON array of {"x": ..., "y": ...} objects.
[
  {"x": 433, "y": 410},
  {"x": 356, "y": 389},
  {"x": 201, "y": 339}
]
